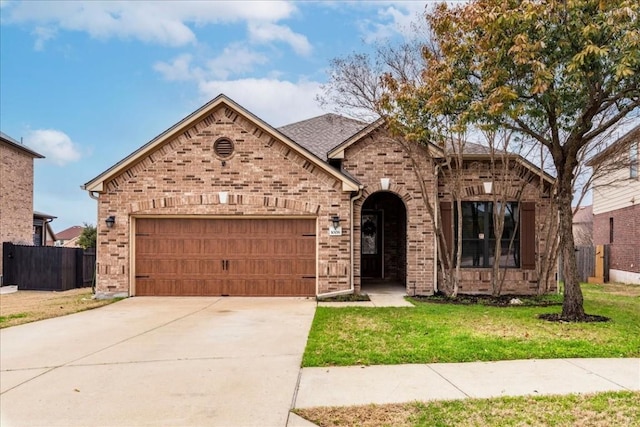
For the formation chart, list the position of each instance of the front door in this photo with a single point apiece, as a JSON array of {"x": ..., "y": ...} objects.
[{"x": 371, "y": 244}]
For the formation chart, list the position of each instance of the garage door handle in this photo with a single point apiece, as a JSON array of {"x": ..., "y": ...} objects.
[
  {"x": 142, "y": 277},
  {"x": 226, "y": 264},
  {"x": 308, "y": 277}
]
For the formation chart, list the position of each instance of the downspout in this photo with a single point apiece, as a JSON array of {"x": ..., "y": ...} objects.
[
  {"x": 435, "y": 235},
  {"x": 351, "y": 255},
  {"x": 44, "y": 231}
]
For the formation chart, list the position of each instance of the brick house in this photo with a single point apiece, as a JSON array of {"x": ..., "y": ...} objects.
[
  {"x": 224, "y": 204},
  {"x": 616, "y": 206},
  {"x": 68, "y": 237},
  {"x": 16, "y": 192}
]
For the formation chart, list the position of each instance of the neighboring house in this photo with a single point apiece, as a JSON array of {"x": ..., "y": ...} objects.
[
  {"x": 16, "y": 192},
  {"x": 616, "y": 206},
  {"x": 224, "y": 204},
  {"x": 583, "y": 226},
  {"x": 69, "y": 237},
  {"x": 43, "y": 234}
]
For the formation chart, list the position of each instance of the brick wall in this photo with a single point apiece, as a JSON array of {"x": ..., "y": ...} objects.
[
  {"x": 184, "y": 176},
  {"x": 377, "y": 157},
  {"x": 625, "y": 248},
  {"x": 516, "y": 184},
  {"x": 16, "y": 197}
]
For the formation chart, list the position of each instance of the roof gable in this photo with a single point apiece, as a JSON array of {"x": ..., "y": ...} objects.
[{"x": 192, "y": 120}]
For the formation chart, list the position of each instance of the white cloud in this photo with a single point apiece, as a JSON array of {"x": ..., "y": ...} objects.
[
  {"x": 235, "y": 59},
  {"x": 54, "y": 145},
  {"x": 43, "y": 34},
  {"x": 164, "y": 23},
  {"x": 266, "y": 32},
  {"x": 179, "y": 69},
  {"x": 275, "y": 101},
  {"x": 398, "y": 19}
]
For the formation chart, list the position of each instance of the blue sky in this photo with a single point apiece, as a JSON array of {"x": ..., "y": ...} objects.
[{"x": 87, "y": 83}]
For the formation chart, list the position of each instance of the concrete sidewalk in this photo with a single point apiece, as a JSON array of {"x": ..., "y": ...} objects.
[{"x": 361, "y": 385}]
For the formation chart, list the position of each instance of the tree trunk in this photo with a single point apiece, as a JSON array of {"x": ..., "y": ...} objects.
[{"x": 572, "y": 307}]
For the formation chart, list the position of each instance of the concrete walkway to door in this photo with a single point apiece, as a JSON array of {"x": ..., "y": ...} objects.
[{"x": 157, "y": 362}]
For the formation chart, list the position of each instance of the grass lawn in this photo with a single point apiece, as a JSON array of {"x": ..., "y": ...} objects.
[
  {"x": 600, "y": 409},
  {"x": 430, "y": 332},
  {"x": 28, "y": 306}
]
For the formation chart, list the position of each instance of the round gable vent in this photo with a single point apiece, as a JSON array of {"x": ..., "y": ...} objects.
[{"x": 223, "y": 148}]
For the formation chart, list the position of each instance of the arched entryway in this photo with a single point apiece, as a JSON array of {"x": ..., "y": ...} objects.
[{"x": 383, "y": 244}]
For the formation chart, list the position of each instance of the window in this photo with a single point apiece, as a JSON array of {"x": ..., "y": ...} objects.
[
  {"x": 633, "y": 160},
  {"x": 610, "y": 230},
  {"x": 479, "y": 239}
]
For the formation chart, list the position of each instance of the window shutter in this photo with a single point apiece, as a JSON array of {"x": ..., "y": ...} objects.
[
  {"x": 446, "y": 220},
  {"x": 528, "y": 235}
]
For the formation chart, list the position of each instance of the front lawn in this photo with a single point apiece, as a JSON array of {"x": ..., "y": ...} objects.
[
  {"x": 29, "y": 306},
  {"x": 600, "y": 409},
  {"x": 436, "y": 332}
]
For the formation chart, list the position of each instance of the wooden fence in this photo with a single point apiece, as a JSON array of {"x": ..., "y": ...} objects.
[
  {"x": 593, "y": 264},
  {"x": 47, "y": 268},
  {"x": 586, "y": 259}
]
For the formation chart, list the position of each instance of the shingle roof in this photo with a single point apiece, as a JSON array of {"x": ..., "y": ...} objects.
[
  {"x": 70, "y": 233},
  {"x": 471, "y": 148},
  {"x": 321, "y": 134},
  {"x": 584, "y": 214}
]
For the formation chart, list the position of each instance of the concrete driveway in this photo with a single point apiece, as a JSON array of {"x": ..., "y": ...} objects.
[{"x": 157, "y": 362}]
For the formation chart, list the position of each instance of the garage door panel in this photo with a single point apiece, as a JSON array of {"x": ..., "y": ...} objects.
[
  {"x": 306, "y": 247},
  {"x": 165, "y": 266},
  {"x": 191, "y": 246},
  {"x": 187, "y": 287},
  {"x": 198, "y": 228},
  {"x": 256, "y": 257},
  {"x": 260, "y": 287},
  {"x": 148, "y": 227},
  {"x": 283, "y": 247},
  {"x": 214, "y": 247},
  {"x": 237, "y": 248},
  {"x": 212, "y": 286},
  {"x": 260, "y": 246}
]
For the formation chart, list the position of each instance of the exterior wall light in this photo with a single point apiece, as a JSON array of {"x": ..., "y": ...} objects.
[
  {"x": 384, "y": 183},
  {"x": 110, "y": 221},
  {"x": 488, "y": 187},
  {"x": 335, "y": 221}
]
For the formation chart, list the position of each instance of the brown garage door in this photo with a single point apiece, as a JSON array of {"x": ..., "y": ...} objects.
[{"x": 248, "y": 257}]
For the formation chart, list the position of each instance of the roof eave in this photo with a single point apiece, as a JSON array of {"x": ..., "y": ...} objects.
[{"x": 22, "y": 148}]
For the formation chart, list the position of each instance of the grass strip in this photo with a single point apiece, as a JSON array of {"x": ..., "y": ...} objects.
[
  {"x": 587, "y": 410},
  {"x": 29, "y": 306}
]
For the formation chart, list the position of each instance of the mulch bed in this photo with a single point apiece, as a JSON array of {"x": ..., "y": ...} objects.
[
  {"x": 500, "y": 301},
  {"x": 588, "y": 318},
  {"x": 346, "y": 298}
]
